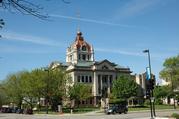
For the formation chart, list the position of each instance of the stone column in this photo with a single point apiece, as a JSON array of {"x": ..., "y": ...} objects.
[
  {"x": 95, "y": 87},
  {"x": 101, "y": 79},
  {"x": 108, "y": 79},
  {"x": 102, "y": 99}
]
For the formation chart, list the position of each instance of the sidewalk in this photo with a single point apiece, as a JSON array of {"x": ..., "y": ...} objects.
[{"x": 155, "y": 118}]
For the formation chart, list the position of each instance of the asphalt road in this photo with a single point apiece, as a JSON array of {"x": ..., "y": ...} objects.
[{"x": 130, "y": 115}]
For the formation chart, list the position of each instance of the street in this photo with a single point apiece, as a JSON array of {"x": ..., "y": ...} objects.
[{"x": 130, "y": 115}]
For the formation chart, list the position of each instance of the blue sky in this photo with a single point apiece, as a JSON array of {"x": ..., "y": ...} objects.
[{"x": 119, "y": 31}]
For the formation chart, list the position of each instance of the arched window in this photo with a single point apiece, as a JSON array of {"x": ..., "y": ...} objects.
[{"x": 83, "y": 48}]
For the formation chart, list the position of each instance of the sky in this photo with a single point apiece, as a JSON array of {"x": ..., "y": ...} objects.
[{"x": 119, "y": 31}]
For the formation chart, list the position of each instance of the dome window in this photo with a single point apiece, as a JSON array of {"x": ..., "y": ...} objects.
[{"x": 83, "y": 48}]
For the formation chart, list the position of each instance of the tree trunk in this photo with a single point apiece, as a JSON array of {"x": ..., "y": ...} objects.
[
  {"x": 38, "y": 104},
  {"x": 72, "y": 107}
]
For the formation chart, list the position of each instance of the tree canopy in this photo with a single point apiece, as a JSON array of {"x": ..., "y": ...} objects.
[
  {"x": 124, "y": 88},
  {"x": 79, "y": 91},
  {"x": 30, "y": 86},
  {"x": 170, "y": 72}
]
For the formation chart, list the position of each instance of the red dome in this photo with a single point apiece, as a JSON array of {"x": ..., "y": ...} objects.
[{"x": 80, "y": 42}]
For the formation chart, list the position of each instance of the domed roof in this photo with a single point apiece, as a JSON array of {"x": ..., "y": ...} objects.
[{"x": 80, "y": 42}]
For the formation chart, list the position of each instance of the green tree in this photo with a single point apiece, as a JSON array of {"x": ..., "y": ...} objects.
[
  {"x": 27, "y": 88},
  {"x": 57, "y": 81},
  {"x": 78, "y": 92},
  {"x": 170, "y": 73},
  {"x": 3, "y": 96},
  {"x": 38, "y": 77},
  {"x": 161, "y": 92},
  {"x": 124, "y": 88},
  {"x": 33, "y": 86},
  {"x": 13, "y": 89}
]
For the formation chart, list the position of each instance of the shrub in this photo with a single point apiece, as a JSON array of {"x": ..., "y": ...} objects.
[
  {"x": 147, "y": 102},
  {"x": 158, "y": 102},
  {"x": 175, "y": 115}
]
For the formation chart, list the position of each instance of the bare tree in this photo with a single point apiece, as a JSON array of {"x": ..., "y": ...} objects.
[
  {"x": 2, "y": 23},
  {"x": 26, "y": 7}
]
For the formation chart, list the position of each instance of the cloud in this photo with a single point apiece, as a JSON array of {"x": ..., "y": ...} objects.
[
  {"x": 27, "y": 50},
  {"x": 135, "y": 7},
  {"x": 158, "y": 56},
  {"x": 29, "y": 38},
  {"x": 119, "y": 52},
  {"x": 91, "y": 21}
]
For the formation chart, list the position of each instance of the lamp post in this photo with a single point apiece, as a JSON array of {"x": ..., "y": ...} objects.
[
  {"x": 172, "y": 88},
  {"x": 152, "y": 106},
  {"x": 47, "y": 90}
]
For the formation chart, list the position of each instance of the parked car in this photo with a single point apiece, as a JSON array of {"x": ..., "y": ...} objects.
[
  {"x": 28, "y": 111},
  {"x": 20, "y": 111},
  {"x": 6, "y": 110},
  {"x": 117, "y": 109}
]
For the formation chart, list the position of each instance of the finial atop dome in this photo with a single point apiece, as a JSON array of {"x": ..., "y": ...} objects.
[{"x": 79, "y": 33}]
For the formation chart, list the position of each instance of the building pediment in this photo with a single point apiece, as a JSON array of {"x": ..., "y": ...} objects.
[{"x": 104, "y": 65}]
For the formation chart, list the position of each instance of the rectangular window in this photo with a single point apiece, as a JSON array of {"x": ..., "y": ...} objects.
[
  {"x": 110, "y": 79},
  {"x": 91, "y": 101},
  {"x": 78, "y": 78},
  {"x": 86, "y": 79},
  {"x": 79, "y": 57},
  {"x": 105, "y": 79},
  {"x": 82, "y": 78},
  {"x": 90, "y": 79},
  {"x": 86, "y": 101},
  {"x": 71, "y": 57},
  {"x": 84, "y": 57},
  {"x": 88, "y": 57}
]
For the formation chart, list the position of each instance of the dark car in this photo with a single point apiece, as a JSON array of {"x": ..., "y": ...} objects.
[
  {"x": 20, "y": 111},
  {"x": 117, "y": 109},
  {"x": 28, "y": 111},
  {"x": 6, "y": 110}
]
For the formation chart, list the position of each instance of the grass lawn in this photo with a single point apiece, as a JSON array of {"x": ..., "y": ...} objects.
[
  {"x": 67, "y": 110},
  {"x": 147, "y": 107},
  {"x": 89, "y": 109}
]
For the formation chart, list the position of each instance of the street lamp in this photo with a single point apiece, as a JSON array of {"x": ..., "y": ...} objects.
[
  {"x": 152, "y": 106},
  {"x": 47, "y": 89},
  {"x": 171, "y": 78}
]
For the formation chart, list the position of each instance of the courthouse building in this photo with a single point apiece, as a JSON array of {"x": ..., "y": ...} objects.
[{"x": 83, "y": 68}]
